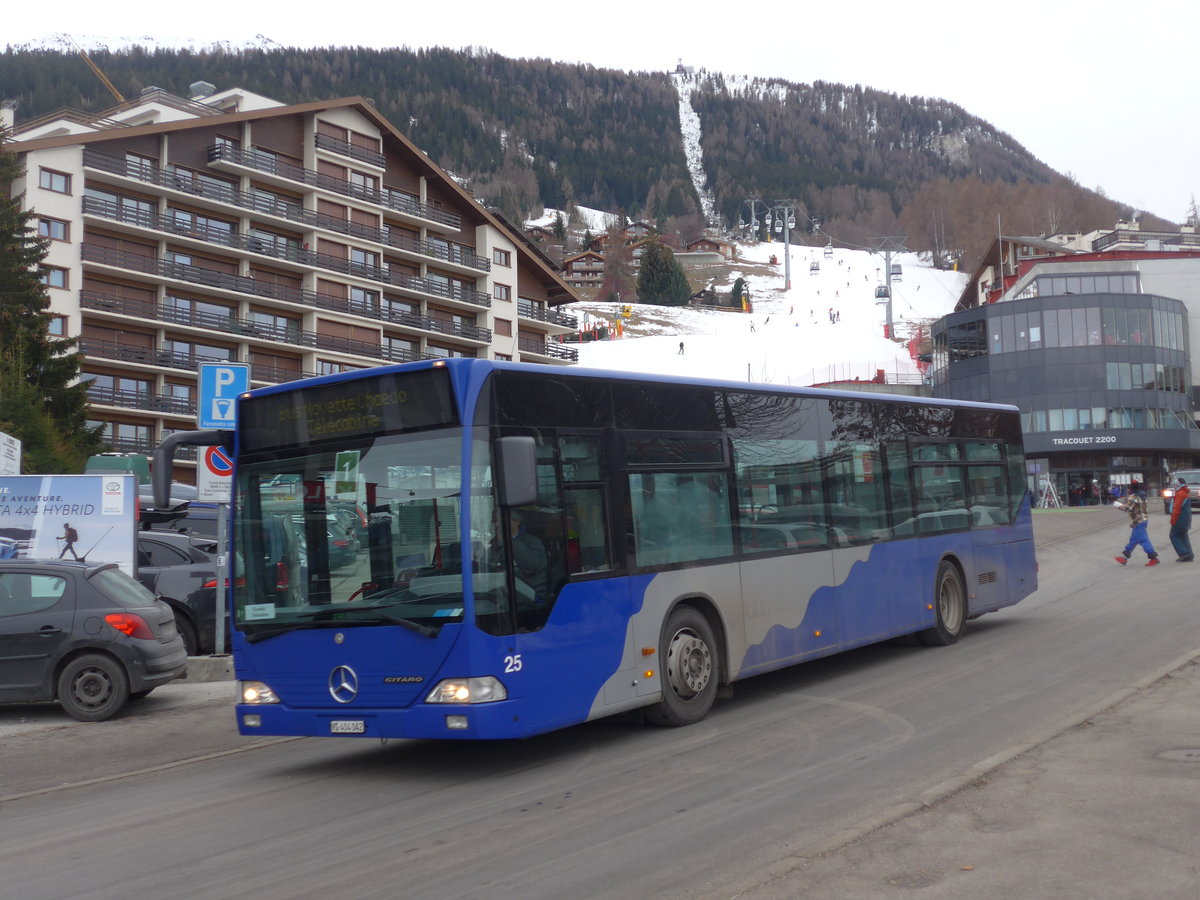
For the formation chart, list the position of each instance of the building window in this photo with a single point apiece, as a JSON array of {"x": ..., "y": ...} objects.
[
  {"x": 364, "y": 184},
  {"x": 502, "y": 292},
  {"x": 363, "y": 258},
  {"x": 329, "y": 367},
  {"x": 502, "y": 257},
  {"x": 59, "y": 182},
  {"x": 139, "y": 166},
  {"x": 55, "y": 229},
  {"x": 364, "y": 302},
  {"x": 56, "y": 278},
  {"x": 436, "y": 352},
  {"x": 504, "y": 357},
  {"x": 503, "y": 328},
  {"x": 57, "y": 326}
]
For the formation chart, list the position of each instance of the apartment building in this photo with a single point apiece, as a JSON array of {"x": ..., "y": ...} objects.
[{"x": 303, "y": 240}]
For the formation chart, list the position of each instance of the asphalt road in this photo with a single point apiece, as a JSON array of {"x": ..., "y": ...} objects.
[{"x": 168, "y": 801}]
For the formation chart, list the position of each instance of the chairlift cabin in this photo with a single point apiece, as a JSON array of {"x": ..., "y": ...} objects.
[
  {"x": 829, "y": 250},
  {"x": 814, "y": 267},
  {"x": 882, "y": 292},
  {"x": 896, "y": 272}
]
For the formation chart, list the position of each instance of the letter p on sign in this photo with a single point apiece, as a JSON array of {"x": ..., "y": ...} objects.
[{"x": 220, "y": 384}]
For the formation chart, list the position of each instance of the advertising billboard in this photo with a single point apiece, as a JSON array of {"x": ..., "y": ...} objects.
[{"x": 91, "y": 518}]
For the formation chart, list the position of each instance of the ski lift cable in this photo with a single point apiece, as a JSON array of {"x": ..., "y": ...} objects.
[{"x": 850, "y": 245}]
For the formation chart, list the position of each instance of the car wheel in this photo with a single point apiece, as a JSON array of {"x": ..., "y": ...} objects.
[
  {"x": 688, "y": 667},
  {"x": 187, "y": 631},
  {"x": 93, "y": 687}
]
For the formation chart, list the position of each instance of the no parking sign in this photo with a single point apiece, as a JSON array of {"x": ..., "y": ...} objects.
[{"x": 214, "y": 476}]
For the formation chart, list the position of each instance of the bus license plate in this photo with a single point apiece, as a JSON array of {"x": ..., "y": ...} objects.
[{"x": 347, "y": 726}]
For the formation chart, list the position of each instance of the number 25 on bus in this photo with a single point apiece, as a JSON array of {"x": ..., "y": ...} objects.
[{"x": 498, "y": 550}]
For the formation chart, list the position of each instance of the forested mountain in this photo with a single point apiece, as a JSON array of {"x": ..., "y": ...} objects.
[{"x": 524, "y": 134}]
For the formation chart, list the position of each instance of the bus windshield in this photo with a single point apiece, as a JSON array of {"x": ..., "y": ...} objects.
[{"x": 367, "y": 533}]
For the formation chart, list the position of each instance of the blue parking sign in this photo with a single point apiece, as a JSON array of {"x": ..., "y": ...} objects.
[{"x": 220, "y": 384}]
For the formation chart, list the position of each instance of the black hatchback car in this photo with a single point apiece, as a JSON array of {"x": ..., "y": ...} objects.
[{"x": 88, "y": 636}]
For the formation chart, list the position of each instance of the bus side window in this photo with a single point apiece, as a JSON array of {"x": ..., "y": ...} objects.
[
  {"x": 679, "y": 517},
  {"x": 587, "y": 531},
  {"x": 585, "y": 517}
]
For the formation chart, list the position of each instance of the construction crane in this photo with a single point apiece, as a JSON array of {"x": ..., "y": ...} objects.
[{"x": 96, "y": 69}]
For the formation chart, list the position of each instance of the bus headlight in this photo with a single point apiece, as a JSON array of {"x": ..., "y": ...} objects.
[
  {"x": 255, "y": 692},
  {"x": 468, "y": 690}
]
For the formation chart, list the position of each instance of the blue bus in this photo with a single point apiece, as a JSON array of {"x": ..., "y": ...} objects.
[{"x": 544, "y": 546}]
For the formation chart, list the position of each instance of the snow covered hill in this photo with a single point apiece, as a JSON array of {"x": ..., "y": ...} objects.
[{"x": 788, "y": 338}]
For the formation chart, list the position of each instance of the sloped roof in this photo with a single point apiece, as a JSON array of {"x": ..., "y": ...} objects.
[{"x": 359, "y": 104}]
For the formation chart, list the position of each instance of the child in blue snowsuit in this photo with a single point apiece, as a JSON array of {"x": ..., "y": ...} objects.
[{"x": 1135, "y": 505}]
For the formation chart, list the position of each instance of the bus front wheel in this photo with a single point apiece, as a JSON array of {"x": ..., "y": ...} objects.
[
  {"x": 949, "y": 606},
  {"x": 688, "y": 669}
]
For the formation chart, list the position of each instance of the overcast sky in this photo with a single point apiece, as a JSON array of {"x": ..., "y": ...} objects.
[{"x": 1104, "y": 91}]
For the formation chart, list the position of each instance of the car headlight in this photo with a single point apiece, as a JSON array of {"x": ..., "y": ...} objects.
[
  {"x": 468, "y": 690},
  {"x": 256, "y": 693}
]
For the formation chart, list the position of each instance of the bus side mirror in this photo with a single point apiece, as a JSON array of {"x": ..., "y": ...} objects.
[{"x": 516, "y": 470}]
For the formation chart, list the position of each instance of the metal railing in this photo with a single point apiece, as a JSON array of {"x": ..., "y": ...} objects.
[
  {"x": 146, "y": 400},
  {"x": 167, "y": 359},
  {"x": 210, "y": 277},
  {"x": 528, "y": 310},
  {"x": 284, "y": 334},
  {"x": 552, "y": 350},
  {"x": 362, "y": 154},
  {"x": 271, "y": 164},
  {"x": 445, "y": 251},
  {"x": 276, "y": 248}
]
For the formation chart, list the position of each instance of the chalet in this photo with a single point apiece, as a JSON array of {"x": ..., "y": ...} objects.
[{"x": 584, "y": 269}]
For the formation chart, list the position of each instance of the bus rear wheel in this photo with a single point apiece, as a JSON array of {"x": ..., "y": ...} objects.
[
  {"x": 949, "y": 606},
  {"x": 688, "y": 669}
]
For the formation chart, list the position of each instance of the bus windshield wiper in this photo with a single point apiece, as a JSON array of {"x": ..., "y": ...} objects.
[
  {"x": 380, "y": 609},
  {"x": 253, "y": 637}
]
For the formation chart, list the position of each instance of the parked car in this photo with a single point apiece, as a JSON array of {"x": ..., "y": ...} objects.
[
  {"x": 86, "y": 635},
  {"x": 1192, "y": 477},
  {"x": 198, "y": 518},
  {"x": 177, "y": 567}
]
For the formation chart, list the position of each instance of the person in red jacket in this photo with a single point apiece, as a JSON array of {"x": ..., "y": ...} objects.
[{"x": 1181, "y": 521}]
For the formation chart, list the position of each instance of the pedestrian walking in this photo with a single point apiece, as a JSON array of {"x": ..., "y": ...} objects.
[
  {"x": 1181, "y": 521},
  {"x": 681, "y": 348},
  {"x": 1135, "y": 506}
]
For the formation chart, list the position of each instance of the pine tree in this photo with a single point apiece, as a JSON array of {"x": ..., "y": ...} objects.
[
  {"x": 42, "y": 402},
  {"x": 560, "y": 227},
  {"x": 661, "y": 280},
  {"x": 739, "y": 287}
]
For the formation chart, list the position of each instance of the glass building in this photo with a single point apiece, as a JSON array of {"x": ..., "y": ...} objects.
[{"x": 1099, "y": 369}]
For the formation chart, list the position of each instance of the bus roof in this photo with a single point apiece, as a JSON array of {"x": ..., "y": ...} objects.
[{"x": 477, "y": 369}]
